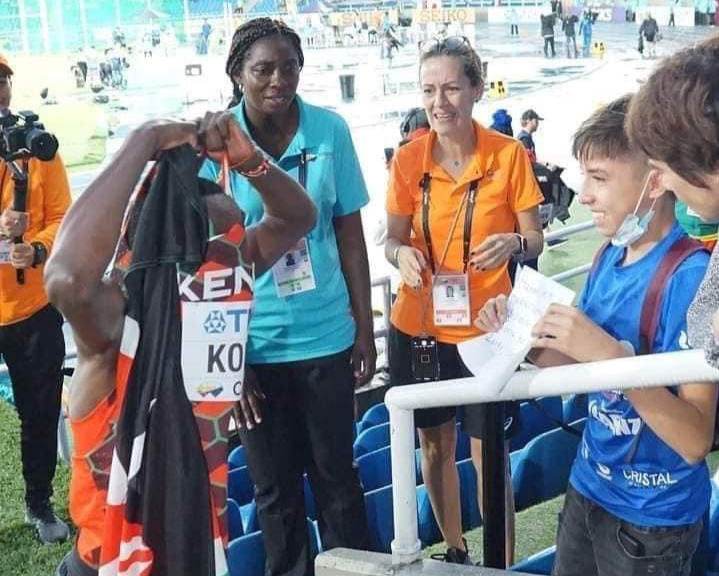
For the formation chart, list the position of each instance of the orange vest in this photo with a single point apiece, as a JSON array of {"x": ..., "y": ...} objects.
[{"x": 48, "y": 199}]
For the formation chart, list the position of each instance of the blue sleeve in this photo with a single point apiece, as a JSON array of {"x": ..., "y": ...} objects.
[
  {"x": 349, "y": 182},
  {"x": 584, "y": 296},
  {"x": 209, "y": 170},
  {"x": 678, "y": 295}
]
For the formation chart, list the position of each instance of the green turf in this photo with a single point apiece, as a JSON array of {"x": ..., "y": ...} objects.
[
  {"x": 20, "y": 553},
  {"x": 577, "y": 251}
]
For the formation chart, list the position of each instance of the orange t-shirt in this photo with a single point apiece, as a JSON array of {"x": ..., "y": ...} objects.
[{"x": 507, "y": 187}]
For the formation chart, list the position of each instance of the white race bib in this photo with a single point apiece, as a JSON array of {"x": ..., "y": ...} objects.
[
  {"x": 214, "y": 339},
  {"x": 293, "y": 271},
  {"x": 4, "y": 251},
  {"x": 450, "y": 297}
]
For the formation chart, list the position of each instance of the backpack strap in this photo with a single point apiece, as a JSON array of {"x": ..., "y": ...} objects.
[
  {"x": 598, "y": 257},
  {"x": 651, "y": 307}
]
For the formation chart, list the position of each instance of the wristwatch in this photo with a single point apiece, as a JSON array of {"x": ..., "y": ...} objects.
[
  {"x": 40, "y": 254},
  {"x": 520, "y": 252}
]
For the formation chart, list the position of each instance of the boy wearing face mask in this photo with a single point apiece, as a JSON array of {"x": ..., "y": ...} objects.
[{"x": 639, "y": 485}]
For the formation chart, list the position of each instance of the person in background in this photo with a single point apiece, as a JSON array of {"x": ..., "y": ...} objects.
[
  {"x": 585, "y": 30},
  {"x": 568, "y": 26},
  {"x": 548, "y": 21},
  {"x": 639, "y": 485},
  {"x": 502, "y": 122},
  {"x": 31, "y": 339},
  {"x": 311, "y": 339},
  {"x": 462, "y": 202},
  {"x": 695, "y": 226},
  {"x": 686, "y": 154},
  {"x": 530, "y": 124},
  {"x": 649, "y": 30},
  {"x": 96, "y": 306},
  {"x": 513, "y": 22}
]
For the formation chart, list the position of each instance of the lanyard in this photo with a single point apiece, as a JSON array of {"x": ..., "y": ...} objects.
[{"x": 471, "y": 200}]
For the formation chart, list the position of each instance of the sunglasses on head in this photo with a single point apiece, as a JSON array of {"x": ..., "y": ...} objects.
[{"x": 440, "y": 44}]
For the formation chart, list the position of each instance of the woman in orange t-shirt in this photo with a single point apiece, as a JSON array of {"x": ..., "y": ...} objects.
[{"x": 462, "y": 202}]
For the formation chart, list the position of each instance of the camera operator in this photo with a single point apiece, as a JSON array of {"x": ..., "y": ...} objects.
[{"x": 31, "y": 338}]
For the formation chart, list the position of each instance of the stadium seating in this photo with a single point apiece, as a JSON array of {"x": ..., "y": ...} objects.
[
  {"x": 237, "y": 458},
  {"x": 539, "y": 563},
  {"x": 377, "y": 414},
  {"x": 542, "y": 468},
  {"x": 250, "y": 522},
  {"x": 234, "y": 519},
  {"x": 209, "y": 8},
  {"x": 375, "y": 469},
  {"x": 379, "y": 518},
  {"x": 372, "y": 439},
  {"x": 535, "y": 421},
  {"x": 246, "y": 555},
  {"x": 240, "y": 486},
  {"x": 575, "y": 407}
]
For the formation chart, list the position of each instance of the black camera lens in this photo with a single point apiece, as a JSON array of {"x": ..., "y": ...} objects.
[{"x": 41, "y": 144}]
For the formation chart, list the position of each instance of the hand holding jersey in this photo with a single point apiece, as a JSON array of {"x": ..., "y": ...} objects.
[{"x": 95, "y": 306}]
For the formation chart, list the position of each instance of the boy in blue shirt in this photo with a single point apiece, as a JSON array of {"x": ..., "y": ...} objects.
[{"x": 639, "y": 485}]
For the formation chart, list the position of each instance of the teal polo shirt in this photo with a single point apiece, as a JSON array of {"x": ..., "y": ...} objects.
[{"x": 318, "y": 322}]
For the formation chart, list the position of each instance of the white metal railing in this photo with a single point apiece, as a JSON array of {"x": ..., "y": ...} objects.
[
  {"x": 568, "y": 231},
  {"x": 572, "y": 272},
  {"x": 637, "y": 372}
]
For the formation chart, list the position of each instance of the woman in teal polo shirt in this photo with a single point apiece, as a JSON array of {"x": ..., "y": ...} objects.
[{"x": 311, "y": 334}]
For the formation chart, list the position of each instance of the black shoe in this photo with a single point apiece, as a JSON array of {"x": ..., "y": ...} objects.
[
  {"x": 50, "y": 529},
  {"x": 455, "y": 555}
]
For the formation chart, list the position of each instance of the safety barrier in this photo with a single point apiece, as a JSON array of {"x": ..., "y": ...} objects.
[{"x": 653, "y": 370}]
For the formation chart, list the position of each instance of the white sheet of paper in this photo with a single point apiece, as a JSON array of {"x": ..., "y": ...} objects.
[{"x": 496, "y": 356}]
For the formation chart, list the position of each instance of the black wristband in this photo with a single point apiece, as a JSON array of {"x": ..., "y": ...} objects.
[{"x": 40, "y": 254}]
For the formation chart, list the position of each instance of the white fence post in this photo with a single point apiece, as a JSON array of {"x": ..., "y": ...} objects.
[{"x": 406, "y": 545}]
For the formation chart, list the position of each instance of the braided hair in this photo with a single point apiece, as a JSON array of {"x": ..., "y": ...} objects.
[{"x": 243, "y": 39}]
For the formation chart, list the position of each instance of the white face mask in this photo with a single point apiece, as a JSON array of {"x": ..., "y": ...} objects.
[{"x": 634, "y": 227}]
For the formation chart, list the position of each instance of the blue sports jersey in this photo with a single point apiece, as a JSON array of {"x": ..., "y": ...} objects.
[
  {"x": 318, "y": 322},
  {"x": 621, "y": 464}
]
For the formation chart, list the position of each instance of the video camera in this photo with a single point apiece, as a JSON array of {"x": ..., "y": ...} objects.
[{"x": 22, "y": 136}]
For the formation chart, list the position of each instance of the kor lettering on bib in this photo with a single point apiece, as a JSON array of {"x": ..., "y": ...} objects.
[{"x": 214, "y": 339}]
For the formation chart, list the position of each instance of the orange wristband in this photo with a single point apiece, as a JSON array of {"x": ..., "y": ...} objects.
[{"x": 261, "y": 170}]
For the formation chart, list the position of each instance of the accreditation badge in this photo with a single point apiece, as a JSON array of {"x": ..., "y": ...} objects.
[
  {"x": 214, "y": 340},
  {"x": 293, "y": 271},
  {"x": 450, "y": 297},
  {"x": 4, "y": 251}
]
